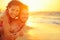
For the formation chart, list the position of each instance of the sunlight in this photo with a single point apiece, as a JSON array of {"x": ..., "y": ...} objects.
[
  {"x": 36, "y": 5},
  {"x": 29, "y": 23},
  {"x": 3, "y": 4},
  {"x": 42, "y": 5}
]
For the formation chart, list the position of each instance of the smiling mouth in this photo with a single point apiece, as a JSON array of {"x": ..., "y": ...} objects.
[{"x": 13, "y": 16}]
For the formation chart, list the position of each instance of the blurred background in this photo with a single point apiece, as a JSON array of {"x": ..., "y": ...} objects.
[{"x": 44, "y": 19}]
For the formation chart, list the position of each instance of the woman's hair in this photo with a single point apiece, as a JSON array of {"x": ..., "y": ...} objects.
[
  {"x": 22, "y": 7},
  {"x": 14, "y": 3},
  {"x": 17, "y": 3}
]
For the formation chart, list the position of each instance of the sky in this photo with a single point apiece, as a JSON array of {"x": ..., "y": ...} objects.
[{"x": 36, "y": 5}]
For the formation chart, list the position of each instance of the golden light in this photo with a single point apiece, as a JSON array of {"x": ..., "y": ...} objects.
[
  {"x": 29, "y": 21},
  {"x": 36, "y": 5},
  {"x": 40, "y": 30},
  {"x": 3, "y": 4},
  {"x": 43, "y": 5}
]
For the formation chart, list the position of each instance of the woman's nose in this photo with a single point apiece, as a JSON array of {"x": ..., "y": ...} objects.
[{"x": 14, "y": 12}]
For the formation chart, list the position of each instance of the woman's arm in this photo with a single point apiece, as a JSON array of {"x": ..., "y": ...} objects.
[
  {"x": 6, "y": 28},
  {"x": 6, "y": 25}
]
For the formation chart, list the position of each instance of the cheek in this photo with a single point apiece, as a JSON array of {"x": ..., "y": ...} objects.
[{"x": 10, "y": 12}]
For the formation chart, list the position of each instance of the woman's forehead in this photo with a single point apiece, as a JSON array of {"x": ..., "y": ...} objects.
[{"x": 15, "y": 6}]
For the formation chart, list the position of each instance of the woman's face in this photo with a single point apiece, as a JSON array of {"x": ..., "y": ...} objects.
[{"x": 14, "y": 11}]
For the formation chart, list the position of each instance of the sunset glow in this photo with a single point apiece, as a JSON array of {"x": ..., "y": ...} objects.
[
  {"x": 36, "y": 5},
  {"x": 43, "y": 20}
]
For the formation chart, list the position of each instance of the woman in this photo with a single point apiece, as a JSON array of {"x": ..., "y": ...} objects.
[{"x": 14, "y": 20}]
